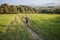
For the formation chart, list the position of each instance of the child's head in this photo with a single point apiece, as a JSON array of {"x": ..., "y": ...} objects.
[{"x": 27, "y": 15}]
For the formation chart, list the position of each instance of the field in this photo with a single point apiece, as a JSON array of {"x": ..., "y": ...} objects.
[
  {"x": 46, "y": 26},
  {"x": 4, "y": 20}
]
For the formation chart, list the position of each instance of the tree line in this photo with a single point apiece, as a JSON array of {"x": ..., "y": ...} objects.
[
  {"x": 13, "y": 9},
  {"x": 7, "y": 9},
  {"x": 50, "y": 10}
]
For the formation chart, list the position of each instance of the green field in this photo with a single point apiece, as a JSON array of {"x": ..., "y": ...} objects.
[
  {"x": 46, "y": 26},
  {"x": 4, "y": 20}
]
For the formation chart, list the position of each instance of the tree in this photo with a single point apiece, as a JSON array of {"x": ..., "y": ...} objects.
[
  {"x": 1, "y": 10},
  {"x": 13, "y": 9}
]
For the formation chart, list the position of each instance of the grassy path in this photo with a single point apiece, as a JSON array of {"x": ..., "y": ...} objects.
[{"x": 33, "y": 34}]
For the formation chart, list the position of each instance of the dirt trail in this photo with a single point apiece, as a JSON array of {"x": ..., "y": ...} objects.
[{"x": 33, "y": 34}]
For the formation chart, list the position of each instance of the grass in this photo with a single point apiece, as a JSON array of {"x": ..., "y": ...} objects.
[
  {"x": 4, "y": 20},
  {"x": 14, "y": 31},
  {"x": 46, "y": 26}
]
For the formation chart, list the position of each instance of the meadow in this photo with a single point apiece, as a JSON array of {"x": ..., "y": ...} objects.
[
  {"x": 46, "y": 26},
  {"x": 5, "y": 20}
]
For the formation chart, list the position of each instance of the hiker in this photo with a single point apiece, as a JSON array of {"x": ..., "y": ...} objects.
[{"x": 27, "y": 20}]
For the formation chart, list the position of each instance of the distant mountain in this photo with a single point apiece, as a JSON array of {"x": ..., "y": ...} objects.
[
  {"x": 34, "y": 5},
  {"x": 43, "y": 5},
  {"x": 49, "y": 4}
]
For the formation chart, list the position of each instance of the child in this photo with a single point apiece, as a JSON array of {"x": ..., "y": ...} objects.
[{"x": 27, "y": 20}]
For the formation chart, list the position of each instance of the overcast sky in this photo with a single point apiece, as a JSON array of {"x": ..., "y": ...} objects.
[{"x": 28, "y": 2}]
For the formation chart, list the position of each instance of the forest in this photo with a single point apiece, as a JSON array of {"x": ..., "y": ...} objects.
[{"x": 13, "y": 9}]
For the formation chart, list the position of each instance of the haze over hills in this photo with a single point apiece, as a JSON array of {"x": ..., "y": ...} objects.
[{"x": 46, "y": 4}]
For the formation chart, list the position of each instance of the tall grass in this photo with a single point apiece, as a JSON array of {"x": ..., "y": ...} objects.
[{"x": 46, "y": 26}]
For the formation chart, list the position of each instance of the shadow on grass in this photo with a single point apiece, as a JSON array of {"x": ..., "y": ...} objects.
[
  {"x": 2, "y": 35},
  {"x": 2, "y": 25}
]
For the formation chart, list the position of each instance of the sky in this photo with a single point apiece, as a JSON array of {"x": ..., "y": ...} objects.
[{"x": 29, "y": 2}]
